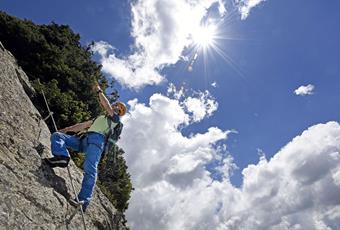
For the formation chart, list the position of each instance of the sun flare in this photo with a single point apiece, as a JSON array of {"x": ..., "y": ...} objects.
[
  {"x": 207, "y": 39},
  {"x": 204, "y": 36}
]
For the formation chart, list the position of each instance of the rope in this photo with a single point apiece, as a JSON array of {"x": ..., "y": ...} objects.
[{"x": 68, "y": 169}]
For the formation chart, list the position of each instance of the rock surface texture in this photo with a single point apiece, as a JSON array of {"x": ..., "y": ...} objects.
[{"x": 32, "y": 195}]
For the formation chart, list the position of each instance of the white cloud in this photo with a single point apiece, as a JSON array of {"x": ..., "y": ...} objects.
[
  {"x": 161, "y": 30},
  {"x": 214, "y": 84},
  {"x": 167, "y": 168},
  {"x": 175, "y": 93},
  {"x": 304, "y": 90},
  {"x": 102, "y": 48},
  {"x": 297, "y": 189},
  {"x": 246, "y": 5},
  {"x": 199, "y": 105},
  {"x": 202, "y": 106}
]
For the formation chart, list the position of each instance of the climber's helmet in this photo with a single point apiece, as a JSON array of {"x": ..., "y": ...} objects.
[{"x": 119, "y": 108}]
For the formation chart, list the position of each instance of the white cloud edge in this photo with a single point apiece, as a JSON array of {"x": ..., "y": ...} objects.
[
  {"x": 305, "y": 90},
  {"x": 199, "y": 104},
  {"x": 245, "y": 6}
]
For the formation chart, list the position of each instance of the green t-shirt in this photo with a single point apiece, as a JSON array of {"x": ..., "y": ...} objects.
[{"x": 101, "y": 125}]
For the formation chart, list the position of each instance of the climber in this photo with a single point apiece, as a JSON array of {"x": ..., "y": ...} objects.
[{"x": 92, "y": 144}]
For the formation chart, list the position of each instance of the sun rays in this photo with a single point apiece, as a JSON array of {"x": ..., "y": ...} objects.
[
  {"x": 209, "y": 39},
  {"x": 204, "y": 36}
]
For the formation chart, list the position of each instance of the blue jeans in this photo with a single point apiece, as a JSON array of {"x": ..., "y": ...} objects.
[{"x": 92, "y": 145}]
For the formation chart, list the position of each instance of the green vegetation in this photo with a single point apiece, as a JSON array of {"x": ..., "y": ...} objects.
[
  {"x": 56, "y": 62},
  {"x": 114, "y": 178}
]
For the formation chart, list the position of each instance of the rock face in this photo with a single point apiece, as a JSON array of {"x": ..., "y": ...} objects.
[{"x": 32, "y": 195}]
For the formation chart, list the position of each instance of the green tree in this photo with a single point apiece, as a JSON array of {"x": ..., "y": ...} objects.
[
  {"x": 57, "y": 63},
  {"x": 114, "y": 179}
]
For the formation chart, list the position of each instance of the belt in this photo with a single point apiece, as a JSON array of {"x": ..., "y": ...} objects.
[{"x": 88, "y": 133}]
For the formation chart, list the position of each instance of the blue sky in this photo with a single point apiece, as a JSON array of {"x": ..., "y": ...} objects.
[{"x": 278, "y": 47}]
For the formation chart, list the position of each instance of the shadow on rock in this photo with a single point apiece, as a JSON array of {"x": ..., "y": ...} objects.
[
  {"x": 48, "y": 178},
  {"x": 101, "y": 226}
]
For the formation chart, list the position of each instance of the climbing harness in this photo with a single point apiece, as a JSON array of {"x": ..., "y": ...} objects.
[{"x": 50, "y": 114}]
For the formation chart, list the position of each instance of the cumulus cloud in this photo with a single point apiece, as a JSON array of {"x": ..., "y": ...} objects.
[
  {"x": 173, "y": 92},
  {"x": 199, "y": 105},
  {"x": 297, "y": 189},
  {"x": 246, "y": 5},
  {"x": 161, "y": 29},
  {"x": 102, "y": 48},
  {"x": 304, "y": 90},
  {"x": 168, "y": 166}
]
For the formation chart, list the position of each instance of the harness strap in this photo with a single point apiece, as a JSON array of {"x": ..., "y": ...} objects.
[{"x": 110, "y": 130}]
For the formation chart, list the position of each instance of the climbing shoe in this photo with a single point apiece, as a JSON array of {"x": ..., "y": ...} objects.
[{"x": 58, "y": 161}]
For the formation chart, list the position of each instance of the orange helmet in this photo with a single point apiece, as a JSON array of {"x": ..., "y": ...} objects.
[{"x": 120, "y": 108}]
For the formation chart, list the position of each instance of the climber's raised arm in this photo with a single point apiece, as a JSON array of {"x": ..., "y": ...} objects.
[{"x": 103, "y": 100}]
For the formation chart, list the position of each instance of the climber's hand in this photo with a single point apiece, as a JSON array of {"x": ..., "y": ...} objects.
[{"x": 96, "y": 87}]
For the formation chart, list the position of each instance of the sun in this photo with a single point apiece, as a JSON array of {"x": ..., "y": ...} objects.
[
  {"x": 204, "y": 36},
  {"x": 208, "y": 38}
]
